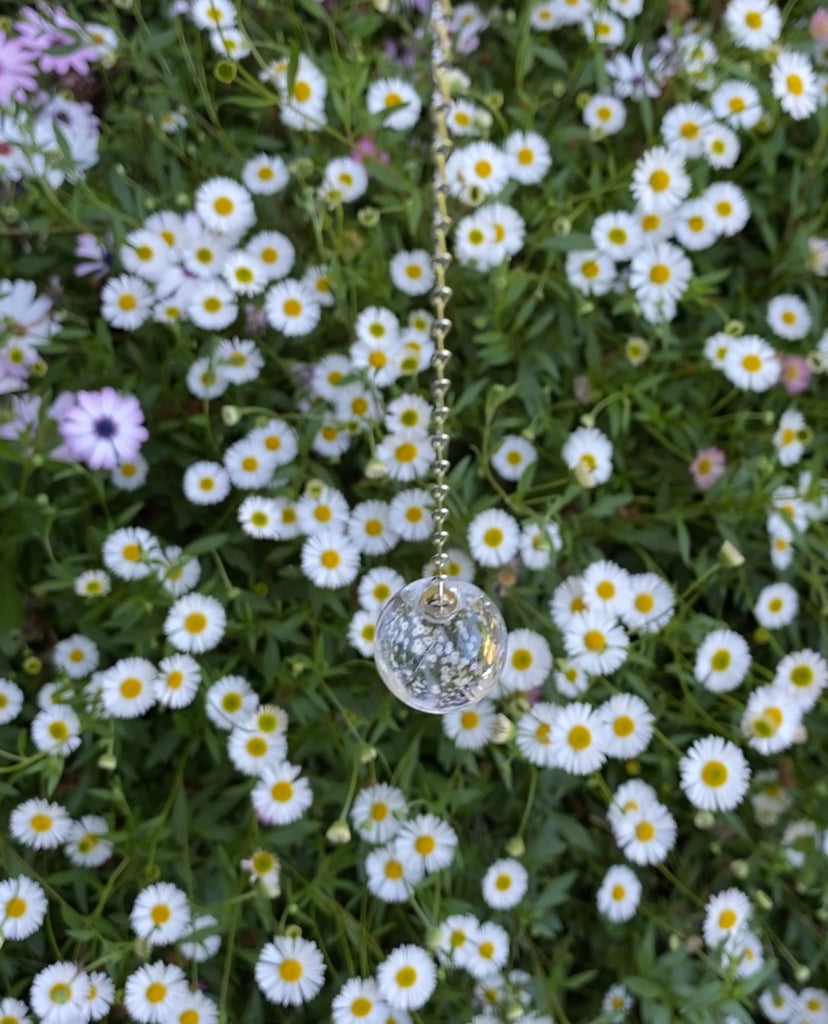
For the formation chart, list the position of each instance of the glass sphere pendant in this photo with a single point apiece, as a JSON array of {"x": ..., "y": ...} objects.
[{"x": 440, "y": 649}]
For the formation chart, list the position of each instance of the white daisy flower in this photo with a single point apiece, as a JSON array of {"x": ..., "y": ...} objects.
[
  {"x": 721, "y": 146},
  {"x": 737, "y": 102},
  {"x": 160, "y": 914},
  {"x": 409, "y": 514},
  {"x": 202, "y": 255},
  {"x": 292, "y": 308},
  {"x": 695, "y": 226},
  {"x": 788, "y": 317},
  {"x": 660, "y": 182},
  {"x": 660, "y": 275},
  {"x": 604, "y": 28},
  {"x": 178, "y": 572},
  {"x": 454, "y": 933},
  {"x": 778, "y": 1004},
  {"x": 150, "y": 991},
  {"x": 605, "y": 114},
  {"x": 23, "y": 907},
  {"x": 579, "y": 739},
  {"x": 617, "y": 235},
  {"x": 617, "y": 1002},
  {"x": 195, "y": 623},
  {"x": 407, "y": 454},
  {"x": 411, "y": 272},
  {"x": 358, "y": 1002},
  {"x": 331, "y": 440},
  {"x": 56, "y": 731},
  {"x": 528, "y": 661},
  {"x": 652, "y": 603},
  {"x": 595, "y": 642},
  {"x": 629, "y": 725},
  {"x": 390, "y": 876},
  {"x": 378, "y": 586},
  {"x": 537, "y": 543},
  {"x": 504, "y": 884},
  {"x": 534, "y": 734},
  {"x": 40, "y": 824},
  {"x": 206, "y": 483},
  {"x": 493, "y": 537},
  {"x": 59, "y": 993},
  {"x": 126, "y": 302},
  {"x": 776, "y": 605},
  {"x": 259, "y": 517},
  {"x": 729, "y": 206},
  {"x": 407, "y": 412},
  {"x": 429, "y": 840},
  {"x": 230, "y": 700},
  {"x": 205, "y": 380},
  {"x": 275, "y": 252},
  {"x": 378, "y": 811},
  {"x": 127, "y": 688},
  {"x": 86, "y": 843},
  {"x": 472, "y": 728},
  {"x": 683, "y": 128},
  {"x": 318, "y": 279},
  {"x": 244, "y": 273},
  {"x": 369, "y": 528},
  {"x": 606, "y": 587},
  {"x": 265, "y": 175},
  {"x": 513, "y": 456},
  {"x": 588, "y": 453},
  {"x": 397, "y": 100},
  {"x": 192, "y": 1007},
  {"x": 570, "y": 680},
  {"x": 304, "y": 107},
  {"x": 714, "y": 774},
  {"x": 129, "y": 476},
  {"x": 789, "y": 437},
  {"x": 76, "y": 655},
  {"x": 252, "y": 751},
  {"x": 344, "y": 180},
  {"x": 794, "y": 83},
  {"x": 754, "y": 24},
  {"x": 619, "y": 894},
  {"x": 100, "y": 996},
  {"x": 11, "y": 701},
  {"x": 322, "y": 507},
  {"x": 568, "y": 599},
  {"x": 362, "y": 631},
  {"x": 249, "y": 465},
  {"x": 281, "y": 795},
  {"x": 722, "y": 661},
  {"x": 726, "y": 915},
  {"x": 771, "y": 720},
  {"x": 212, "y": 14},
  {"x": 590, "y": 271},
  {"x": 487, "y": 952},
  {"x": 130, "y": 552},
  {"x": 646, "y": 836},
  {"x": 224, "y": 206},
  {"x": 91, "y": 583},
  {"x": 146, "y": 253},
  {"x": 751, "y": 364},
  {"x": 529, "y": 157},
  {"x": 330, "y": 559},
  {"x": 479, "y": 167},
  {"x": 802, "y": 675},
  {"x": 407, "y": 977}
]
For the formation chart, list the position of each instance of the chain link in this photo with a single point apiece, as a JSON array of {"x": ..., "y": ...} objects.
[{"x": 441, "y": 293}]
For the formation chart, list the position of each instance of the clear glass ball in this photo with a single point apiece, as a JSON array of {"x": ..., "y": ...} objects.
[{"x": 438, "y": 660}]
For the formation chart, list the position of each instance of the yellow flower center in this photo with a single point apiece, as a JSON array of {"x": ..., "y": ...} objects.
[
  {"x": 623, "y": 725},
  {"x": 292, "y": 307},
  {"x": 579, "y": 737},
  {"x": 795, "y": 84},
  {"x": 16, "y": 907},
  {"x": 594, "y": 640},
  {"x": 393, "y": 870},
  {"x": 424, "y": 845},
  {"x": 196, "y": 622},
  {"x": 714, "y": 774},
  {"x": 156, "y": 992},
  {"x": 644, "y": 603},
  {"x": 660, "y": 273},
  {"x": 644, "y": 831},
  {"x": 223, "y": 206},
  {"x": 493, "y": 537},
  {"x": 522, "y": 659},
  {"x": 469, "y": 720},
  {"x": 406, "y": 452},
  {"x": 290, "y": 970},
  {"x": 127, "y": 302},
  {"x": 131, "y": 688},
  {"x": 727, "y": 919},
  {"x": 330, "y": 558},
  {"x": 405, "y": 977},
  {"x": 282, "y": 791},
  {"x": 301, "y": 91},
  {"x": 160, "y": 913},
  {"x": 659, "y": 180}
]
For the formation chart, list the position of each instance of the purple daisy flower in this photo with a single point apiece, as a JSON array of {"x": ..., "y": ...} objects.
[
  {"x": 17, "y": 69},
  {"x": 103, "y": 428},
  {"x": 57, "y": 38}
]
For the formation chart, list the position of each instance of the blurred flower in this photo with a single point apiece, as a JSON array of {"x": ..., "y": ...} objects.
[
  {"x": 796, "y": 374},
  {"x": 707, "y": 466},
  {"x": 103, "y": 428}
]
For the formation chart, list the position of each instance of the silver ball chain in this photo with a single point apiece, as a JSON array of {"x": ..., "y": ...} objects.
[{"x": 441, "y": 601}]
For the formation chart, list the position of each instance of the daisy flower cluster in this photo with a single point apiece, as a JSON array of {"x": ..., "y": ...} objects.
[{"x": 27, "y": 322}]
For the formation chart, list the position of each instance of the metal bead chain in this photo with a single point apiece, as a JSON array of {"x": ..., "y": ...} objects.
[{"x": 441, "y": 293}]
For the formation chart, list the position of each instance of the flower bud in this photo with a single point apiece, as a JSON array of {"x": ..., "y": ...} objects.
[
  {"x": 516, "y": 847},
  {"x": 338, "y": 833},
  {"x": 32, "y": 665},
  {"x": 368, "y": 216},
  {"x": 376, "y": 469},
  {"x": 230, "y": 415},
  {"x": 367, "y": 753},
  {"x": 730, "y": 555},
  {"x": 704, "y": 820},
  {"x": 503, "y": 729},
  {"x": 740, "y": 869}
]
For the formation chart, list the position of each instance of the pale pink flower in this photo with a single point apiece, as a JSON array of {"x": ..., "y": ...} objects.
[
  {"x": 818, "y": 25},
  {"x": 796, "y": 374},
  {"x": 707, "y": 466}
]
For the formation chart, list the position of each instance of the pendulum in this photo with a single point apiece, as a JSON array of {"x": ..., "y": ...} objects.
[{"x": 440, "y": 643}]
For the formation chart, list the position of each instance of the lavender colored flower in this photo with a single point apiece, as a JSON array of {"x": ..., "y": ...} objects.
[
  {"x": 46, "y": 30},
  {"x": 103, "y": 428},
  {"x": 707, "y": 467},
  {"x": 17, "y": 69}
]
